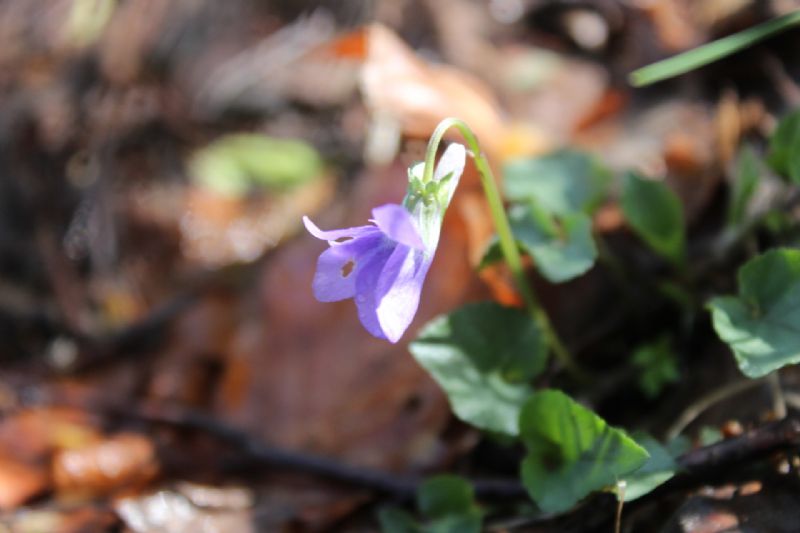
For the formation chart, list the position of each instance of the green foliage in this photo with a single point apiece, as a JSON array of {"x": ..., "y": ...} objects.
[
  {"x": 655, "y": 213},
  {"x": 784, "y": 147},
  {"x": 235, "y": 164},
  {"x": 714, "y": 51},
  {"x": 481, "y": 355},
  {"x": 448, "y": 504},
  {"x": 571, "y": 451},
  {"x": 659, "y": 468},
  {"x": 657, "y": 366},
  {"x": 562, "y": 247},
  {"x": 744, "y": 185},
  {"x": 562, "y": 183},
  {"x": 554, "y": 194},
  {"x": 395, "y": 520},
  {"x": 761, "y": 324},
  {"x": 710, "y": 435}
]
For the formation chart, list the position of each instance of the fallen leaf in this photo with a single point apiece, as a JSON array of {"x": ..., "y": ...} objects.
[
  {"x": 20, "y": 481},
  {"x": 397, "y": 83},
  {"x": 122, "y": 461}
]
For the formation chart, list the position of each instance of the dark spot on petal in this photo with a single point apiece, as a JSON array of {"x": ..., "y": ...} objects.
[
  {"x": 347, "y": 268},
  {"x": 412, "y": 404}
]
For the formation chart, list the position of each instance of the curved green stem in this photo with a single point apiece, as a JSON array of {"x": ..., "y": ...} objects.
[{"x": 508, "y": 243}]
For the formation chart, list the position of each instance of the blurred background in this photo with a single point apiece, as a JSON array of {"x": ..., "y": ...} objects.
[{"x": 165, "y": 366}]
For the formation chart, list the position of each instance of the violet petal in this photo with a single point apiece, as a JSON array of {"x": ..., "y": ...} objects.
[
  {"x": 398, "y": 290},
  {"x": 366, "y": 283},
  {"x": 335, "y": 234},
  {"x": 338, "y": 266},
  {"x": 395, "y": 221}
]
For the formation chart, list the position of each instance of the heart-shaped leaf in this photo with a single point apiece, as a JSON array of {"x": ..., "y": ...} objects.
[
  {"x": 562, "y": 247},
  {"x": 562, "y": 182},
  {"x": 762, "y": 324},
  {"x": 481, "y": 355},
  {"x": 571, "y": 451}
]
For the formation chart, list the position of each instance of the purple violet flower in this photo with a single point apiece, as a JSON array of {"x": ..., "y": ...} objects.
[{"x": 382, "y": 266}]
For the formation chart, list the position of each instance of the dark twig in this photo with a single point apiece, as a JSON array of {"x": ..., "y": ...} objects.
[
  {"x": 757, "y": 443},
  {"x": 697, "y": 466},
  {"x": 401, "y": 487},
  {"x": 397, "y": 486}
]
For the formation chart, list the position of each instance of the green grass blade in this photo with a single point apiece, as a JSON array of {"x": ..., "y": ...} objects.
[{"x": 712, "y": 51}]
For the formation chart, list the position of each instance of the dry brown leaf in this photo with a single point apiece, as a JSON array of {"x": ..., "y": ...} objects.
[
  {"x": 20, "y": 481},
  {"x": 396, "y": 83},
  {"x": 122, "y": 461},
  {"x": 34, "y": 434}
]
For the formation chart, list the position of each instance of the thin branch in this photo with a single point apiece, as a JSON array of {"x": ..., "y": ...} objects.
[
  {"x": 696, "y": 466},
  {"x": 397, "y": 486},
  {"x": 708, "y": 400}
]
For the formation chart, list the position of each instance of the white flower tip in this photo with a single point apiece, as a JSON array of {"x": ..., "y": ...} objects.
[{"x": 452, "y": 162}]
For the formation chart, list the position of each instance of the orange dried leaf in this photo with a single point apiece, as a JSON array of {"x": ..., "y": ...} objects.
[
  {"x": 120, "y": 461},
  {"x": 20, "y": 481}
]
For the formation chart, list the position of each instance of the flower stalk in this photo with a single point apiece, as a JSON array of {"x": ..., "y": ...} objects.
[{"x": 508, "y": 243}]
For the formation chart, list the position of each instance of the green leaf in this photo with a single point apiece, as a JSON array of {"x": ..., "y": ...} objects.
[
  {"x": 445, "y": 494},
  {"x": 449, "y": 501},
  {"x": 562, "y": 182},
  {"x": 762, "y": 324},
  {"x": 655, "y": 213},
  {"x": 448, "y": 504},
  {"x": 481, "y": 355},
  {"x": 710, "y": 435},
  {"x": 711, "y": 52},
  {"x": 657, "y": 367},
  {"x": 784, "y": 147},
  {"x": 394, "y": 520},
  {"x": 744, "y": 185},
  {"x": 467, "y": 523},
  {"x": 571, "y": 451},
  {"x": 659, "y": 468},
  {"x": 235, "y": 164},
  {"x": 562, "y": 248}
]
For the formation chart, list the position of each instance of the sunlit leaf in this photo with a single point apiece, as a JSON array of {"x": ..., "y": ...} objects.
[
  {"x": 655, "y": 213},
  {"x": 784, "y": 147},
  {"x": 481, "y": 356},
  {"x": 561, "y": 182},
  {"x": 235, "y": 164},
  {"x": 762, "y": 324},
  {"x": 571, "y": 451},
  {"x": 708, "y": 53}
]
